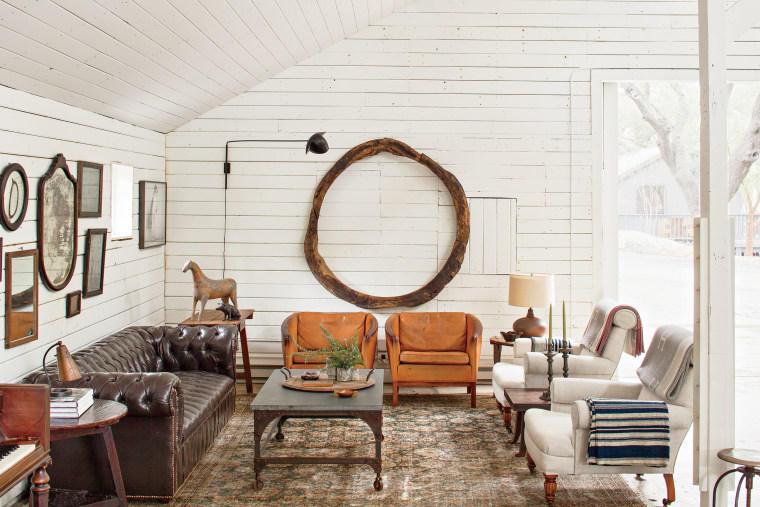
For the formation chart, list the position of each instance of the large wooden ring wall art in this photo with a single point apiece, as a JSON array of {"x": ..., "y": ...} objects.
[{"x": 422, "y": 295}]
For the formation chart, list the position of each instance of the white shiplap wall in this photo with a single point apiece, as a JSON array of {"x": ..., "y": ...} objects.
[
  {"x": 32, "y": 132},
  {"x": 496, "y": 92}
]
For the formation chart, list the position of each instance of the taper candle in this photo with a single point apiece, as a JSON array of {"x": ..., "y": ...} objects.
[
  {"x": 550, "y": 322},
  {"x": 564, "y": 327}
]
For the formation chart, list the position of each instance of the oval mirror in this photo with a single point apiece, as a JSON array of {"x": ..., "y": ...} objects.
[
  {"x": 14, "y": 196},
  {"x": 57, "y": 224}
]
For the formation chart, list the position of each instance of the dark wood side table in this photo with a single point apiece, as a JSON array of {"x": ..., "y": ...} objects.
[
  {"x": 498, "y": 342},
  {"x": 98, "y": 419},
  {"x": 216, "y": 318},
  {"x": 521, "y": 400}
]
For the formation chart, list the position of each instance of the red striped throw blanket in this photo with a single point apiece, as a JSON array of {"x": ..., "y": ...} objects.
[
  {"x": 600, "y": 324},
  {"x": 628, "y": 433}
]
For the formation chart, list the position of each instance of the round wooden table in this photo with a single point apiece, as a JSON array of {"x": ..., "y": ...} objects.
[{"x": 98, "y": 419}]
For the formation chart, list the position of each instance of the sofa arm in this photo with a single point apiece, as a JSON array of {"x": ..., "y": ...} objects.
[
  {"x": 287, "y": 330},
  {"x": 535, "y": 363},
  {"x": 679, "y": 418},
  {"x": 474, "y": 342},
  {"x": 145, "y": 394},
  {"x": 205, "y": 348},
  {"x": 392, "y": 344},
  {"x": 522, "y": 346},
  {"x": 368, "y": 342}
]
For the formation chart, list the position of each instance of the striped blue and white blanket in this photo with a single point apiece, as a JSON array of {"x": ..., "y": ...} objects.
[
  {"x": 628, "y": 432},
  {"x": 539, "y": 344}
]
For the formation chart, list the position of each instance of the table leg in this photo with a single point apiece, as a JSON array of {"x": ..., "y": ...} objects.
[
  {"x": 375, "y": 422},
  {"x": 113, "y": 462},
  {"x": 246, "y": 360},
  {"x": 516, "y": 434},
  {"x": 40, "y": 489},
  {"x": 496, "y": 353},
  {"x": 520, "y": 427}
]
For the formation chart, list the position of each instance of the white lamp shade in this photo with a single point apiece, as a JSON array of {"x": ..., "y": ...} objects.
[{"x": 534, "y": 290}]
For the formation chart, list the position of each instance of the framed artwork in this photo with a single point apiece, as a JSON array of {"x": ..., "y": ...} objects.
[
  {"x": 90, "y": 189},
  {"x": 152, "y": 214},
  {"x": 94, "y": 262},
  {"x": 57, "y": 225},
  {"x": 14, "y": 196},
  {"x": 73, "y": 303},
  {"x": 122, "y": 190},
  {"x": 20, "y": 297}
]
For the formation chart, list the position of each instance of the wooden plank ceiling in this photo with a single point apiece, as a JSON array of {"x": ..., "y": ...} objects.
[{"x": 160, "y": 63}]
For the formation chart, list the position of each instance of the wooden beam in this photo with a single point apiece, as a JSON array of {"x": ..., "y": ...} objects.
[
  {"x": 714, "y": 322},
  {"x": 740, "y": 17}
]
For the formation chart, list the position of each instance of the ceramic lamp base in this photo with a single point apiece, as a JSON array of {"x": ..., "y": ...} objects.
[{"x": 530, "y": 325}]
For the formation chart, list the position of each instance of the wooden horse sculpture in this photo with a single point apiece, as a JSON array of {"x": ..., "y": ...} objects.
[{"x": 205, "y": 288}]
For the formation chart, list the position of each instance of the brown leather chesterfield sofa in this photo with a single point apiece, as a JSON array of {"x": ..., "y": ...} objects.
[{"x": 179, "y": 389}]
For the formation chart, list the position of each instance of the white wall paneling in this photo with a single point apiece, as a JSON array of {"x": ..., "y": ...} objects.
[
  {"x": 34, "y": 130},
  {"x": 499, "y": 93}
]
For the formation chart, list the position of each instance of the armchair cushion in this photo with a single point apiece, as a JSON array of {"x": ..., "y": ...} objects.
[
  {"x": 434, "y": 357},
  {"x": 551, "y": 432},
  {"x": 341, "y": 326},
  {"x": 433, "y": 332}
]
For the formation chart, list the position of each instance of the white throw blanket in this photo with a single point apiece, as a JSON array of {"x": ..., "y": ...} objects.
[
  {"x": 667, "y": 363},
  {"x": 600, "y": 324}
]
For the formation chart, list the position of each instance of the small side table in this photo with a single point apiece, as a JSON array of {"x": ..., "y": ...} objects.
[
  {"x": 216, "y": 318},
  {"x": 498, "y": 342},
  {"x": 749, "y": 466},
  {"x": 521, "y": 400},
  {"x": 98, "y": 419}
]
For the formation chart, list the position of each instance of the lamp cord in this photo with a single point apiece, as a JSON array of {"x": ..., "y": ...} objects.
[
  {"x": 224, "y": 239},
  {"x": 44, "y": 366}
]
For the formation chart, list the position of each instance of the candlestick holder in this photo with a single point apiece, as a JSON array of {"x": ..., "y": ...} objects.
[
  {"x": 565, "y": 367},
  {"x": 547, "y": 396}
]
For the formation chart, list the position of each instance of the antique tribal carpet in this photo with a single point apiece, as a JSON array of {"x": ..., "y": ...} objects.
[{"x": 437, "y": 452}]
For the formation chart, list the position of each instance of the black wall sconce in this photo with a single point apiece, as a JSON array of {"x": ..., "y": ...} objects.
[{"x": 315, "y": 144}]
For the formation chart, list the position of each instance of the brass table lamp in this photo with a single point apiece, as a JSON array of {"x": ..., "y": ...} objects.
[{"x": 67, "y": 369}]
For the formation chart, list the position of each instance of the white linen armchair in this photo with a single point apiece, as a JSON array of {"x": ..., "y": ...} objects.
[
  {"x": 532, "y": 373},
  {"x": 557, "y": 440}
]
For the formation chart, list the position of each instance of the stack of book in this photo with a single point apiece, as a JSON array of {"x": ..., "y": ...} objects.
[{"x": 73, "y": 406}]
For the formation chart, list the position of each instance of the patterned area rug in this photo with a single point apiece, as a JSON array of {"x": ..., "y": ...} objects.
[{"x": 437, "y": 452}]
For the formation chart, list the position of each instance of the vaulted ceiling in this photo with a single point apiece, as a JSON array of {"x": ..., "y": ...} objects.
[{"x": 160, "y": 63}]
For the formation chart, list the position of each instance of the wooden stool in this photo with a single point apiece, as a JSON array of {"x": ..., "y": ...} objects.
[{"x": 749, "y": 462}]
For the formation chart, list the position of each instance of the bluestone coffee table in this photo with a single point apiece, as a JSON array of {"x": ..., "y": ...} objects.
[{"x": 275, "y": 403}]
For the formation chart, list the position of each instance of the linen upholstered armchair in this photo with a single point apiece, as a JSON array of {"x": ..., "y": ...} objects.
[
  {"x": 304, "y": 329},
  {"x": 557, "y": 441},
  {"x": 622, "y": 324},
  {"x": 433, "y": 349}
]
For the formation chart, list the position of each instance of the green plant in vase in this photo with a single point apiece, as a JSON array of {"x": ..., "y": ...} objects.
[{"x": 344, "y": 356}]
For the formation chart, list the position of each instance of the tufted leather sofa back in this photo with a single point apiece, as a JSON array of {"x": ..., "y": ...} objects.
[{"x": 125, "y": 351}]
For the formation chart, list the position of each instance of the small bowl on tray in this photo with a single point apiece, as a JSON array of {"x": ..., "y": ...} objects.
[{"x": 310, "y": 375}]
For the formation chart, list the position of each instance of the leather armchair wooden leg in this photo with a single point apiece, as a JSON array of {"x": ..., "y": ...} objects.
[
  {"x": 473, "y": 395},
  {"x": 395, "y": 394}
]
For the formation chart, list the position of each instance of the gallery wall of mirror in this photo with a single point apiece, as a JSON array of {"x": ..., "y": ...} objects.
[{"x": 62, "y": 200}]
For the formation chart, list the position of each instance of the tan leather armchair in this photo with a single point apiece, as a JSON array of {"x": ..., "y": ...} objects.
[
  {"x": 303, "y": 328},
  {"x": 434, "y": 349}
]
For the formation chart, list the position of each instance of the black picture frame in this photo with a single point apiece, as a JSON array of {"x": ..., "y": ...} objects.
[
  {"x": 14, "y": 200},
  {"x": 57, "y": 225},
  {"x": 152, "y": 214},
  {"x": 90, "y": 189},
  {"x": 73, "y": 303},
  {"x": 94, "y": 262}
]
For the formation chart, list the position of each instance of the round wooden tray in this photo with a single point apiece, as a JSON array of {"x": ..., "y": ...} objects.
[{"x": 297, "y": 383}]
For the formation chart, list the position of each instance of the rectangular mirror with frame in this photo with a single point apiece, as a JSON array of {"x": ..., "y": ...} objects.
[
  {"x": 21, "y": 297},
  {"x": 94, "y": 262}
]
